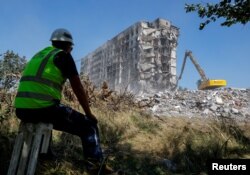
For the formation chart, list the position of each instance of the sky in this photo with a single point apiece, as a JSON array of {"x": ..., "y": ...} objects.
[{"x": 222, "y": 52}]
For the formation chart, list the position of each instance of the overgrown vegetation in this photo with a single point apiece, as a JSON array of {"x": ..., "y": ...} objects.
[
  {"x": 11, "y": 66},
  {"x": 133, "y": 140},
  {"x": 136, "y": 142}
]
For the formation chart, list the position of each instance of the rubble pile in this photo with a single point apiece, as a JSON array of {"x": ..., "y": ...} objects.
[{"x": 226, "y": 102}]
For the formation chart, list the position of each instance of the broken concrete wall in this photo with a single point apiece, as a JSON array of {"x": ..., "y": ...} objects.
[{"x": 141, "y": 58}]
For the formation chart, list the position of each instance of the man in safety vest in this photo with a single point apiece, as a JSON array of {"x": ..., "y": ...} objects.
[{"x": 39, "y": 94}]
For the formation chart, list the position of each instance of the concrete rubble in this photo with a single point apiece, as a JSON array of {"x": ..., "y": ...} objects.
[
  {"x": 142, "y": 60},
  {"x": 226, "y": 102}
]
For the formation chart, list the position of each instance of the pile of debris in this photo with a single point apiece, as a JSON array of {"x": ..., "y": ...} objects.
[{"x": 227, "y": 102}]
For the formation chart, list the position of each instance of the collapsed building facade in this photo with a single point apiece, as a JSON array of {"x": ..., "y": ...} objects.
[{"x": 141, "y": 58}]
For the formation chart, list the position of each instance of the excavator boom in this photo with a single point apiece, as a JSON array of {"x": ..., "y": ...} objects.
[{"x": 204, "y": 82}]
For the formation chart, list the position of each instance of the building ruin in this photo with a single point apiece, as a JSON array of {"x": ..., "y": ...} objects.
[{"x": 141, "y": 58}]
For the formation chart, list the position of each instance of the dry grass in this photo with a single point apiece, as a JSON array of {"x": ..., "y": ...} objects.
[
  {"x": 136, "y": 142},
  {"x": 139, "y": 143}
]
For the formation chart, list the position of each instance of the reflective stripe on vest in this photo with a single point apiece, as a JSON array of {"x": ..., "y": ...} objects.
[
  {"x": 42, "y": 80},
  {"x": 38, "y": 78},
  {"x": 35, "y": 95},
  {"x": 44, "y": 62},
  {"x": 41, "y": 83}
]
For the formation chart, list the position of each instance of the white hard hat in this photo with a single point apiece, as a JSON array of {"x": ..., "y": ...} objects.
[{"x": 61, "y": 35}]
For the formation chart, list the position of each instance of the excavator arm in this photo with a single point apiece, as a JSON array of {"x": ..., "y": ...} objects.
[
  {"x": 204, "y": 82},
  {"x": 197, "y": 66}
]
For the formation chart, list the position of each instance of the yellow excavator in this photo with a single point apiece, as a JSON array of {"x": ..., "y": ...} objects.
[{"x": 204, "y": 83}]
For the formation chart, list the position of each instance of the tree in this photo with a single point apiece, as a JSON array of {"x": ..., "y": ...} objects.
[
  {"x": 11, "y": 66},
  {"x": 237, "y": 11}
]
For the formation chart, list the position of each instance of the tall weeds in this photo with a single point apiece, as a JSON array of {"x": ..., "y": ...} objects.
[{"x": 133, "y": 140}]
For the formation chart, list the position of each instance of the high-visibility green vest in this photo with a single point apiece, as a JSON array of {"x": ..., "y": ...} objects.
[{"x": 41, "y": 83}]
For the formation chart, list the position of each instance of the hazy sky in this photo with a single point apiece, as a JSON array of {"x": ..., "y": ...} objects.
[{"x": 223, "y": 53}]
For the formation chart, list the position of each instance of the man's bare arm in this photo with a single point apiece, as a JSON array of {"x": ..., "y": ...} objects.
[{"x": 81, "y": 96}]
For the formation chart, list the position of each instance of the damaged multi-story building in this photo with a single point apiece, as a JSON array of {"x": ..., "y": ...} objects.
[{"x": 140, "y": 58}]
